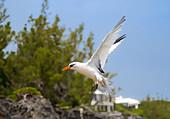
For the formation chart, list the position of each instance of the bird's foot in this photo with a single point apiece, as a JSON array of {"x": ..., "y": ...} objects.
[{"x": 94, "y": 87}]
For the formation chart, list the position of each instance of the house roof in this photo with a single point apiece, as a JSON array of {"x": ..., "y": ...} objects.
[
  {"x": 120, "y": 99},
  {"x": 98, "y": 92},
  {"x": 130, "y": 101}
]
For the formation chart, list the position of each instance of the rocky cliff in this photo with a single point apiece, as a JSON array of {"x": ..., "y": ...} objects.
[{"x": 37, "y": 107}]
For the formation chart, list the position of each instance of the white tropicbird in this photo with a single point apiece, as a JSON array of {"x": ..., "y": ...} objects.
[{"x": 94, "y": 67}]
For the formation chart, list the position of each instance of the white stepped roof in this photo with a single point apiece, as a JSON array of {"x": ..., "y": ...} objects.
[
  {"x": 120, "y": 99},
  {"x": 98, "y": 92},
  {"x": 130, "y": 101}
]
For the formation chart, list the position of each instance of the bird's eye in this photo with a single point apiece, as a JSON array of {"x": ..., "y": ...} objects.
[{"x": 71, "y": 65}]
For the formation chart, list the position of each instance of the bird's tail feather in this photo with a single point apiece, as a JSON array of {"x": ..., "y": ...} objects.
[{"x": 106, "y": 90}]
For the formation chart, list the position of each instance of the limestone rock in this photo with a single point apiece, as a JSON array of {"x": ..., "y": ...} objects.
[{"x": 37, "y": 107}]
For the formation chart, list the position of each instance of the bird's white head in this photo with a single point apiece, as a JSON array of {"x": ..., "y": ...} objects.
[{"x": 70, "y": 66}]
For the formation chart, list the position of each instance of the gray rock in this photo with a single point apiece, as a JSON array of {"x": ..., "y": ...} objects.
[
  {"x": 5, "y": 107},
  {"x": 37, "y": 107},
  {"x": 83, "y": 112}
]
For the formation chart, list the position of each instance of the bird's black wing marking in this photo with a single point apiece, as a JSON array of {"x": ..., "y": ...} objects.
[
  {"x": 99, "y": 67},
  {"x": 120, "y": 38}
]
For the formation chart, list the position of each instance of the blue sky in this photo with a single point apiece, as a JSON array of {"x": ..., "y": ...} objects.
[{"x": 142, "y": 61}]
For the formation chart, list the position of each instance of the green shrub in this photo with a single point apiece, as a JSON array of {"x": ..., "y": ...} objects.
[
  {"x": 121, "y": 108},
  {"x": 26, "y": 90}
]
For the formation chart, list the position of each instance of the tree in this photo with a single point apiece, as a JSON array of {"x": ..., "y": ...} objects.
[
  {"x": 42, "y": 51},
  {"x": 155, "y": 109},
  {"x": 6, "y": 34}
]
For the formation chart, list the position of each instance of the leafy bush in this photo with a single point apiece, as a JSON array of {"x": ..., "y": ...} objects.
[
  {"x": 156, "y": 109},
  {"x": 121, "y": 108},
  {"x": 26, "y": 90}
]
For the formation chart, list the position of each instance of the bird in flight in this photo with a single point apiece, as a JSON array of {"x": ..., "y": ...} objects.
[{"x": 93, "y": 68}]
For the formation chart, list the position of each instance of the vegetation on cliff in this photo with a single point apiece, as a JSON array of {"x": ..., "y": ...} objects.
[{"x": 43, "y": 49}]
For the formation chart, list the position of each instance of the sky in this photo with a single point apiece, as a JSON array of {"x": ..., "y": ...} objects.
[{"x": 142, "y": 61}]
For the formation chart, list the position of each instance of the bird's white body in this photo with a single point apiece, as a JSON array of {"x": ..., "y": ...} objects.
[
  {"x": 94, "y": 67},
  {"x": 87, "y": 70}
]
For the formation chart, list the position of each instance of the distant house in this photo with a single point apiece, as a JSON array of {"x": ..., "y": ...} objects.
[
  {"x": 102, "y": 102},
  {"x": 128, "y": 102},
  {"x": 106, "y": 103}
]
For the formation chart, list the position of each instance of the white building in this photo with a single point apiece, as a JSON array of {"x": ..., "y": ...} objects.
[
  {"x": 128, "y": 102},
  {"x": 106, "y": 103},
  {"x": 102, "y": 102}
]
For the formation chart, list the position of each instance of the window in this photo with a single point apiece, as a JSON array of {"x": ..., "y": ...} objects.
[
  {"x": 98, "y": 107},
  {"x": 94, "y": 97},
  {"x": 111, "y": 108},
  {"x": 102, "y": 107},
  {"x": 105, "y": 108},
  {"x": 125, "y": 104},
  {"x": 97, "y": 97},
  {"x": 100, "y": 98},
  {"x": 110, "y": 98}
]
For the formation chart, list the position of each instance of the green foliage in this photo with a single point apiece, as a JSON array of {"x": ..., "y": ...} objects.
[
  {"x": 41, "y": 55},
  {"x": 29, "y": 90},
  {"x": 43, "y": 49},
  {"x": 156, "y": 109},
  {"x": 121, "y": 108},
  {"x": 101, "y": 111},
  {"x": 3, "y": 15},
  {"x": 65, "y": 104},
  {"x": 26, "y": 90},
  {"x": 149, "y": 109},
  {"x": 6, "y": 35}
]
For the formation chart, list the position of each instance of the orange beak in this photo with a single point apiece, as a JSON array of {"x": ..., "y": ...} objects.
[{"x": 68, "y": 67}]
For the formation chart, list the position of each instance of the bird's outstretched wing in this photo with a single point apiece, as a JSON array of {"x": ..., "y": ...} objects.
[{"x": 110, "y": 42}]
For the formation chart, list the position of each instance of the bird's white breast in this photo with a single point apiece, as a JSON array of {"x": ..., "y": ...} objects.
[{"x": 86, "y": 70}]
